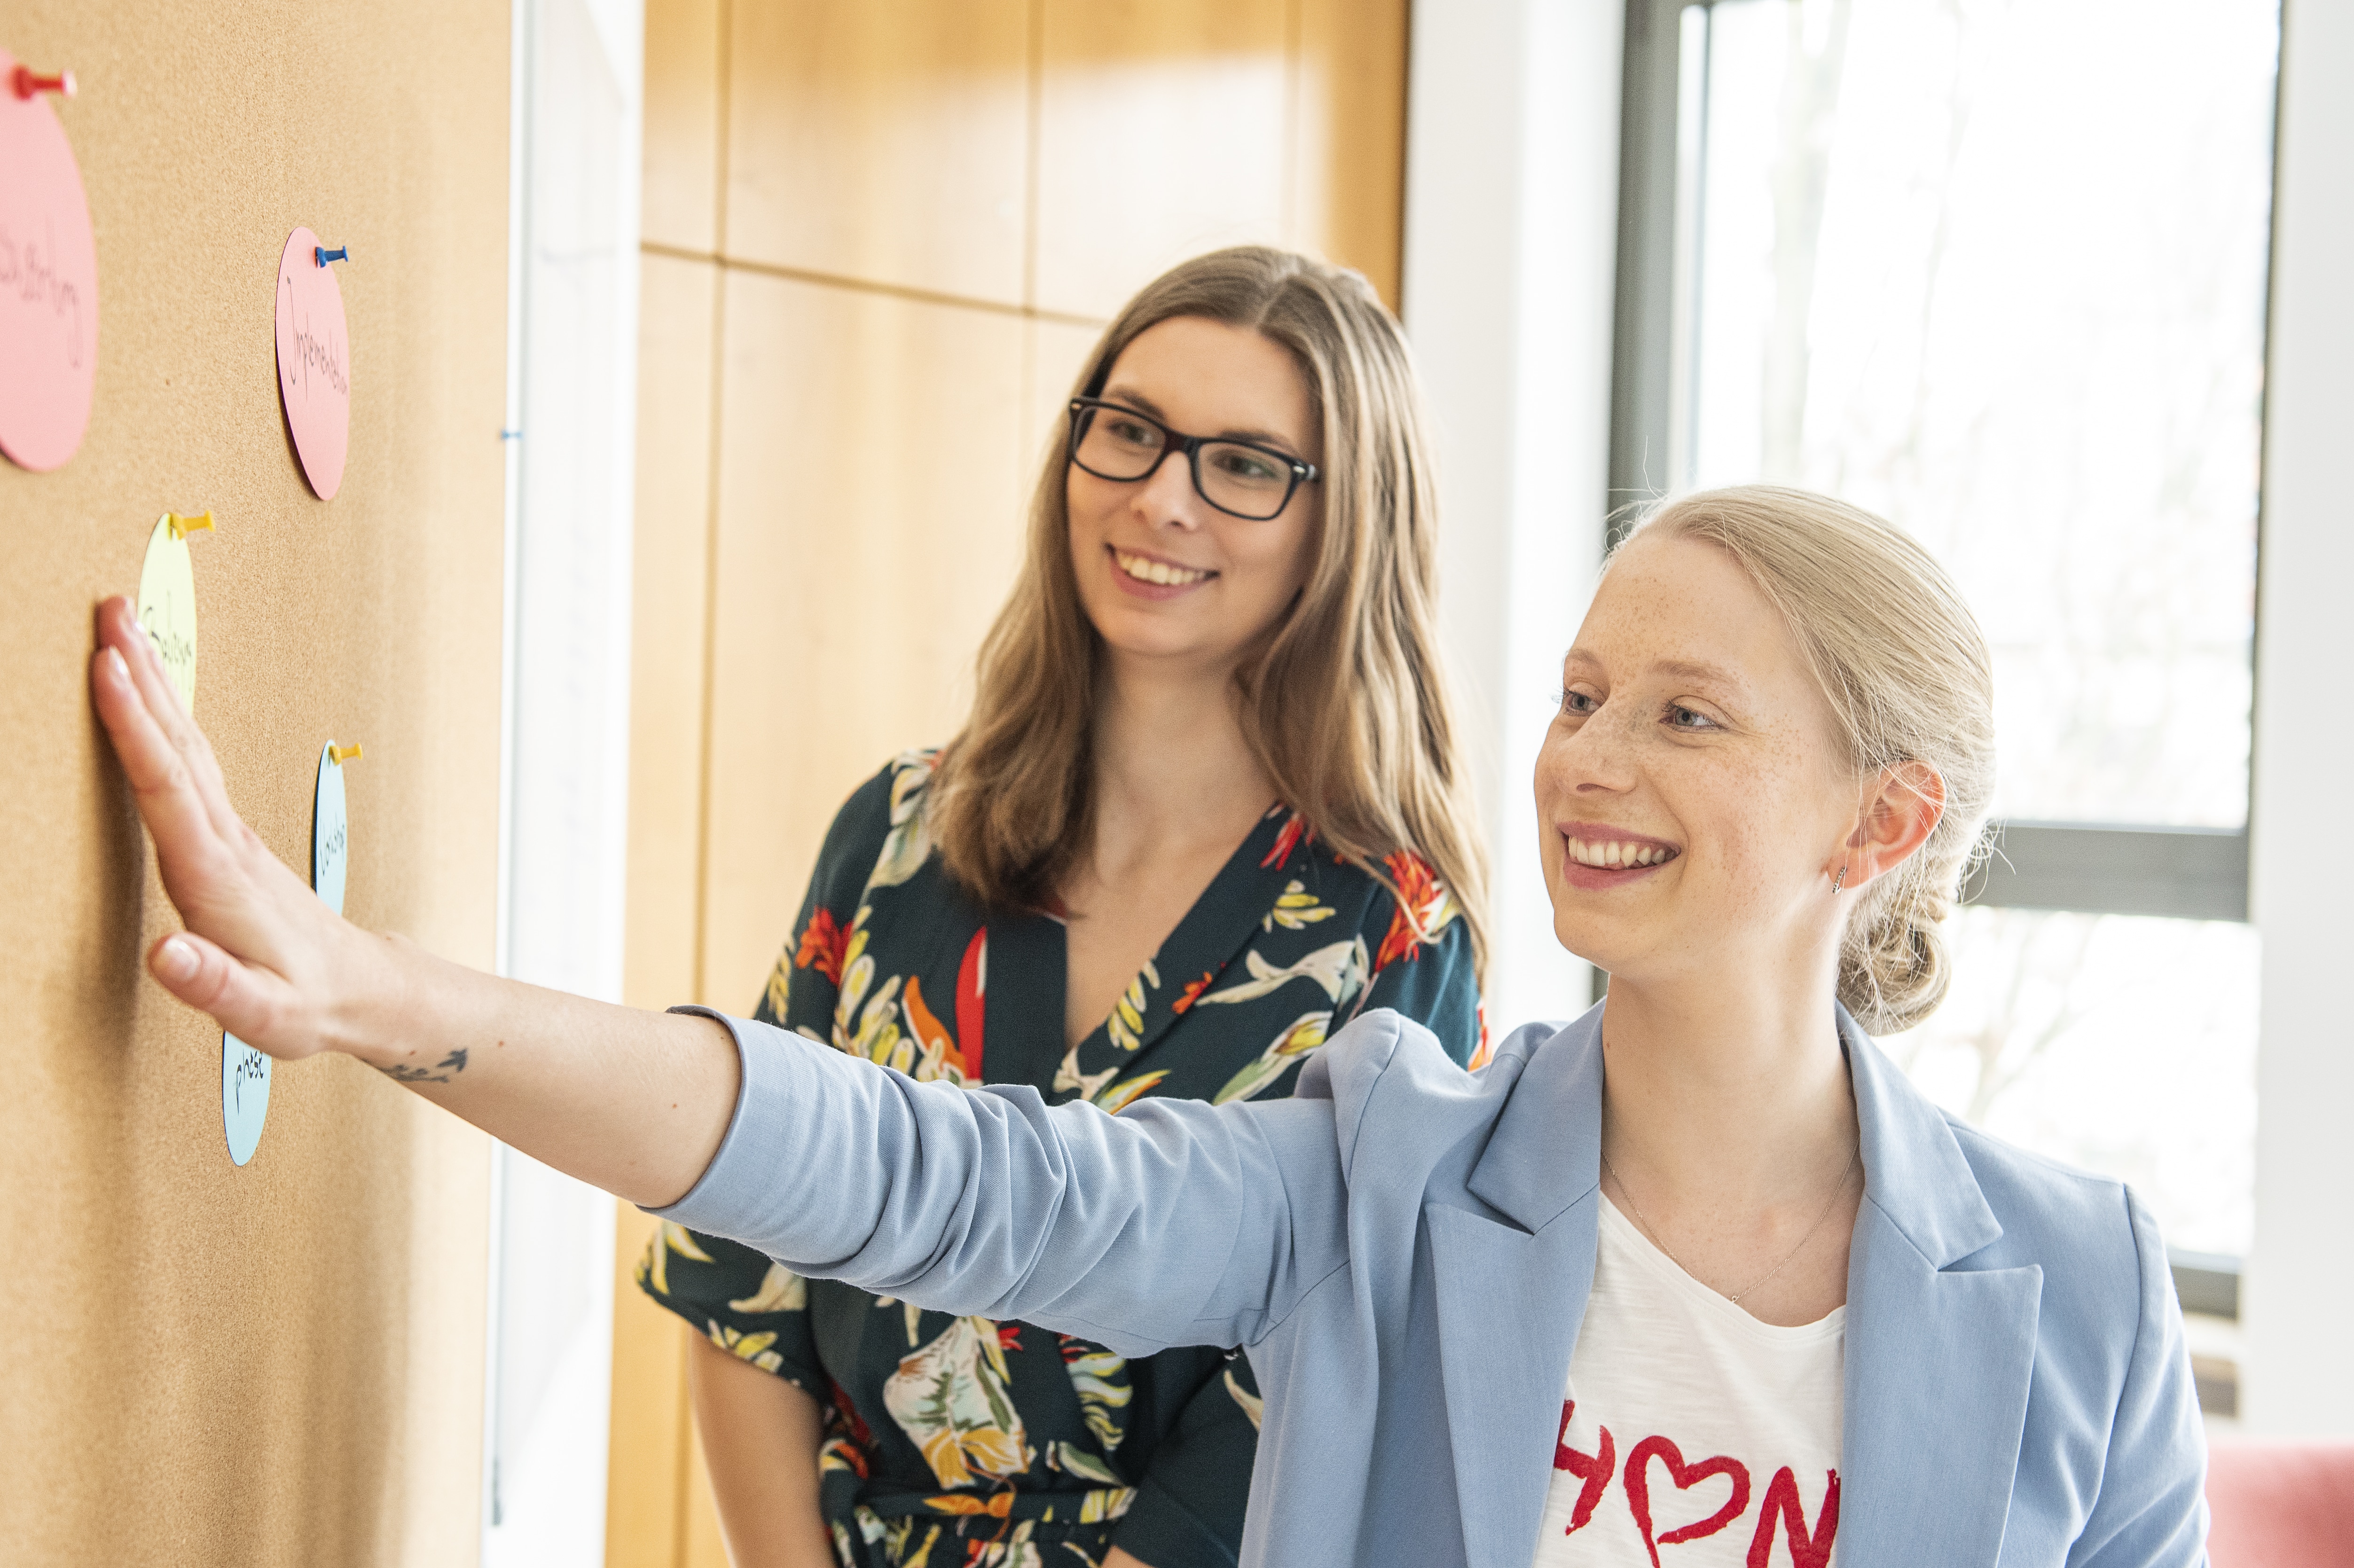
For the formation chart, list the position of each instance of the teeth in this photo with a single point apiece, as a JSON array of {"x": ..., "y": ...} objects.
[
  {"x": 1617, "y": 854},
  {"x": 1151, "y": 571}
]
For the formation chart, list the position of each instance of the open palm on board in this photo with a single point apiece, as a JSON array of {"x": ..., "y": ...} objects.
[{"x": 261, "y": 953}]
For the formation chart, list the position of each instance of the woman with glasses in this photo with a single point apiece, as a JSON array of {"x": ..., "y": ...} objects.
[{"x": 1206, "y": 811}]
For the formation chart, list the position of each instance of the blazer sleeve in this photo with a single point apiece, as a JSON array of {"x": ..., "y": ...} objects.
[
  {"x": 1175, "y": 1222},
  {"x": 727, "y": 1291},
  {"x": 2152, "y": 1508}
]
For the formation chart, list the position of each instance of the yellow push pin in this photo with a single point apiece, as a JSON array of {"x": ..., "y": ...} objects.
[
  {"x": 183, "y": 527},
  {"x": 342, "y": 754}
]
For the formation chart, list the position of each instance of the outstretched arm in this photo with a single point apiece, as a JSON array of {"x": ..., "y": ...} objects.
[
  {"x": 1175, "y": 1222},
  {"x": 1171, "y": 1224},
  {"x": 635, "y": 1103}
]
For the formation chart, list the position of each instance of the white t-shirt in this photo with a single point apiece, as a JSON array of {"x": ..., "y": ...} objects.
[{"x": 1692, "y": 1435}]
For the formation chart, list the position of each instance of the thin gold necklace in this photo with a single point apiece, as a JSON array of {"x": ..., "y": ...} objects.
[{"x": 1656, "y": 1240}]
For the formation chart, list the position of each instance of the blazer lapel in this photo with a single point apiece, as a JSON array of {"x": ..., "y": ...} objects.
[
  {"x": 1939, "y": 1358},
  {"x": 1511, "y": 1290}
]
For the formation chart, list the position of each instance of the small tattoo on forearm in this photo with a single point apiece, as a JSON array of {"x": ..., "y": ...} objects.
[{"x": 441, "y": 1072}]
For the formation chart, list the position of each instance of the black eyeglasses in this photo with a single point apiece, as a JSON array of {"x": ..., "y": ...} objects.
[{"x": 1241, "y": 479}]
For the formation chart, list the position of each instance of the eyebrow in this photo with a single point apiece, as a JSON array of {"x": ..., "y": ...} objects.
[
  {"x": 1690, "y": 671},
  {"x": 1145, "y": 405},
  {"x": 1684, "y": 669}
]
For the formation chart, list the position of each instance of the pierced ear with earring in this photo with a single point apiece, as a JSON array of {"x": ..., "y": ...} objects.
[{"x": 1841, "y": 880}]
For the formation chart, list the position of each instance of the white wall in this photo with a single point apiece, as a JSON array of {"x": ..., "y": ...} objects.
[
  {"x": 2300, "y": 1285},
  {"x": 577, "y": 80},
  {"x": 1511, "y": 212}
]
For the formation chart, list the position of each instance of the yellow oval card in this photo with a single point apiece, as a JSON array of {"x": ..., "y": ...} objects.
[{"x": 167, "y": 607}]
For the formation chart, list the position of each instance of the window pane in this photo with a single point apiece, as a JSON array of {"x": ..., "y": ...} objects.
[
  {"x": 2114, "y": 1044},
  {"x": 1997, "y": 272}
]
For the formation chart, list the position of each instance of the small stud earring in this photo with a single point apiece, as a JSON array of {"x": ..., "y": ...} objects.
[{"x": 1841, "y": 880}]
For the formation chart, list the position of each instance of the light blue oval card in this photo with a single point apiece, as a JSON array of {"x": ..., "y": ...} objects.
[
  {"x": 330, "y": 827},
  {"x": 245, "y": 1097},
  {"x": 245, "y": 1072}
]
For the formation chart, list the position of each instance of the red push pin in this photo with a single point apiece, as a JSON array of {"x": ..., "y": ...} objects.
[{"x": 27, "y": 84}]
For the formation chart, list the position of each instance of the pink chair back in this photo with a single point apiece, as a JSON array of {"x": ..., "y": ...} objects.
[{"x": 2281, "y": 1504}]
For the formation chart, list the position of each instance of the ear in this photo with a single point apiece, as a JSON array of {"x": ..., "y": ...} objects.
[{"x": 1901, "y": 808}]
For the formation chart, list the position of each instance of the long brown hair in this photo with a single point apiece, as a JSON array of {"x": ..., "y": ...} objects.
[{"x": 1345, "y": 702}]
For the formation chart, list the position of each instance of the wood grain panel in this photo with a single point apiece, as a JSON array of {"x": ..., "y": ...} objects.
[
  {"x": 278, "y": 1364},
  {"x": 1348, "y": 150},
  {"x": 1162, "y": 133},
  {"x": 644, "y": 1496},
  {"x": 680, "y": 205},
  {"x": 869, "y": 525},
  {"x": 669, "y": 617},
  {"x": 886, "y": 143},
  {"x": 1054, "y": 355}
]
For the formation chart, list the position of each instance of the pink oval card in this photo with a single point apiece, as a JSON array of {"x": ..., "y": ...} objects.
[
  {"x": 49, "y": 284},
  {"x": 314, "y": 372}
]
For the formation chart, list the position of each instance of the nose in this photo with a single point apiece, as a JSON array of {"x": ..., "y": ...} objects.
[
  {"x": 1596, "y": 757},
  {"x": 1166, "y": 497}
]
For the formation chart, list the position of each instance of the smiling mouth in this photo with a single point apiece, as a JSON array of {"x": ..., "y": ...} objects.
[
  {"x": 1618, "y": 854},
  {"x": 1160, "y": 574}
]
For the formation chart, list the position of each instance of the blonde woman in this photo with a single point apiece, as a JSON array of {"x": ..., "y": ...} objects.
[
  {"x": 1699, "y": 1271},
  {"x": 1198, "y": 819}
]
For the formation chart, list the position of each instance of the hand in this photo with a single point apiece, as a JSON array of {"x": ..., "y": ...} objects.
[
  {"x": 261, "y": 953},
  {"x": 565, "y": 1079}
]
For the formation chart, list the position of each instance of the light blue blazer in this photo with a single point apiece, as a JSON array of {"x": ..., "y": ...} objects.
[{"x": 1406, "y": 1251}]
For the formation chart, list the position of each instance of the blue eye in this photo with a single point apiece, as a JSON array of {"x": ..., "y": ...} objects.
[{"x": 1682, "y": 718}]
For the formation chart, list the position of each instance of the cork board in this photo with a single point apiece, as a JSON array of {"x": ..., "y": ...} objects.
[{"x": 282, "y": 1363}]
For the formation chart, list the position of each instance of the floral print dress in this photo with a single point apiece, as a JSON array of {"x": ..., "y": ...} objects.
[{"x": 980, "y": 1444}]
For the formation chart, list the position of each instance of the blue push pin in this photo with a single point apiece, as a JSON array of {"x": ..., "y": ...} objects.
[{"x": 341, "y": 253}]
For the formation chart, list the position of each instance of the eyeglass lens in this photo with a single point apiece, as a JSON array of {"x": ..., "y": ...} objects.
[{"x": 1118, "y": 445}]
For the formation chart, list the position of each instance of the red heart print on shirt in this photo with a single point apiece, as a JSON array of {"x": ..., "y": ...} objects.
[
  {"x": 1685, "y": 1477},
  {"x": 1593, "y": 1471}
]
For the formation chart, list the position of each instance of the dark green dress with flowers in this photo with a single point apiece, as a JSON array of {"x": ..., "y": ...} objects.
[{"x": 969, "y": 1442}]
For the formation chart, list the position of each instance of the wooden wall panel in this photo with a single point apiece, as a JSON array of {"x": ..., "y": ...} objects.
[
  {"x": 1053, "y": 355},
  {"x": 282, "y": 1363},
  {"x": 886, "y": 144},
  {"x": 1162, "y": 132},
  {"x": 652, "y": 1474},
  {"x": 1348, "y": 150},
  {"x": 676, "y": 346},
  {"x": 680, "y": 205},
  {"x": 669, "y": 626},
  {"x": 650, "y": 1417},
  {"x": 869, "y": 527}
]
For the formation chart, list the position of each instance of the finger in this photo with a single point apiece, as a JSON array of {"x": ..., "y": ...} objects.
[
  {"x": 119, "y": 628},
  {"x": 251, "y": 1003},
  {"x": 186, "y": 836}
]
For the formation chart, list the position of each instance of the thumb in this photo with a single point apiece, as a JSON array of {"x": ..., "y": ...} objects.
[{"x": 250, "y": 1003}]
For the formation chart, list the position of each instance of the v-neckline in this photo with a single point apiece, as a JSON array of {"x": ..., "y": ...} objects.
[{"x": 1213, "y": 928}]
